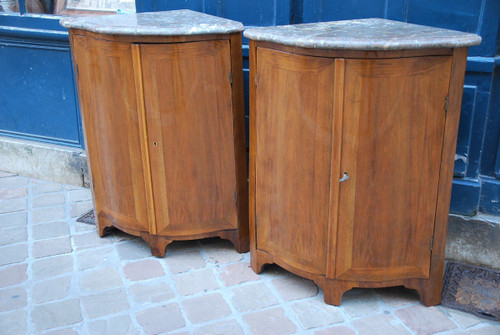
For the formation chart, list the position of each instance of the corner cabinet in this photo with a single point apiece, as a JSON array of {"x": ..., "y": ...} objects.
[
  {"x": 353, "y": 129},
  {"x": 162, "y": 103}
]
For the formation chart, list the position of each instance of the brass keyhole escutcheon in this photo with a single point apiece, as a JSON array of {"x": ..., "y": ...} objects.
[{"x": 344, "y": 177}]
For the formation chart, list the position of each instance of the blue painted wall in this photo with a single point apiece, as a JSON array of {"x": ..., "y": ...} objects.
[{"x": 476, "y": 186}]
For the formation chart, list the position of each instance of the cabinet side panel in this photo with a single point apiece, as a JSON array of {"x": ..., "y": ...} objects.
[
  {"x": 108, "y": 106},
  {"x": 293, "y": 115},
  {"x": 188, "y": 104},
  {"x": 395, "y": 111}
]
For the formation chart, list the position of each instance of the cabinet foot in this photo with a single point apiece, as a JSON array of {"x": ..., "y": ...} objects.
[
  {"x": 157, "y": 244},
  {"x": 334, "y": 290},
  {"x": 240, "y": 243},
  {"x": 429, "y": 291},
  {"x": 258, "y": 259}
]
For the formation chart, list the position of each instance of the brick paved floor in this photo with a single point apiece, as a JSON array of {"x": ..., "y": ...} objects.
[{"x": 58, "y": 277}]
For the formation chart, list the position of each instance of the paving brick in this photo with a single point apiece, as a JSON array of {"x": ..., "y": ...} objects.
[
  {"x": 379, "y": 324},
  {"x": 424, "y": 320},
  {"x": 151, "y": 292},
  {"x": 13, "y": 275},
  {"x": 132, "y": 250},
  {"x": 6, "y": 174},
  {"x": 397, "y": 296},
  {"x": 78, "y": 208},
  {"x": 314, "y": 313},
  {"x": 161, "y": 319},
  {"x": 46, "y": 200},
  {"x": 205, "y": 308},
  {"x": 12, "y": 181},
  {"x": 65, "y": 331},
  {"x": 13, "y": 322},
  {"x": 13, "y": 205},
  {"x": 13, "y": 193},
  {"x": 13, "y": 253},
  {"x": 51, "y": 289},
  {"x": 43, "y": 188},
  {"x": 90, "y": 240},
  {"x": 144, "y": 269},
  {"x": 119, "y": 236},
  {"x": 15, "y": 219},
  {"x": 224, "y": 327},
  {"x": 105, "y": 303},
  {"x": 195, "y": 282},
  {"x": 12, "y": 298},
  {"x": 101, "y": 279},
  {"x": 52, "y": 247},
  {"x": 237, "y": 273},
  {"x": 50, "y": 214},
  {"x": 221, "y": 251},
  {"x": 252, "y": 296},
  {"x": 52, "y": 267},
  {"x": 118, "y": 325},
  {"x": 182, "y": 262},
  {"x": 13, "y": 235},
  {"x": 270, "y": 322},
  {"x": 83, "y": 194},
  {"x": 291, "y": 287},
  {"x": 486, "y": 330},
  {"x": 465, "y": 320},
  {"x": 336, "y": 330},
  {"x": 56, "y": 314},
  {"x": 90, "y": 258},
  {"x": 49, "y": 230},
  {"x": 360, "y": 302},
  {"x": 179, "y": 246}
]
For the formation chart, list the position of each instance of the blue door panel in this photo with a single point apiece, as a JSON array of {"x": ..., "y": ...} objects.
[
  {"x": 490, "y": 196},
  {"x": 465, "y": 197},
  {"x": 325, "y": 10},
  {"x": 464, "y": 130},
  {"x": 37, "y": 93}
]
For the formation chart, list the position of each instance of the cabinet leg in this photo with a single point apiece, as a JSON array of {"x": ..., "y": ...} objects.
[
  {"x": 157, "y": 244},
  {"x": 334, "y": 290},
  {"x": 430, "y": 291},
  {"x": 240, "y": 243},
  {"x": 258, "y": 259},
  {"x": 104, "y": 226}
]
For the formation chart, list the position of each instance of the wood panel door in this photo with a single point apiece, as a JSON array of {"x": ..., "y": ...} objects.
[
  {"x": 188, "y": 103},
  {"x": 105, "y": 78},
  {"x": 293, "y": 122},
  {"x": 393, "y": 127}
]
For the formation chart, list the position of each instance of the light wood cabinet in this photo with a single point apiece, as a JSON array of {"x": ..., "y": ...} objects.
[
  {"x": 353, "y": 129},
  {"x": 164, "y": 124}
]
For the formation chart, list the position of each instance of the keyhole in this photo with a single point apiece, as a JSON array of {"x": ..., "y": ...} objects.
[
  {"x": 344, "y": 177},
  {"x": 155, "y": 144}
]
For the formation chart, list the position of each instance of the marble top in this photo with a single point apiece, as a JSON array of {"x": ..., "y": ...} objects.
[
  {"x": 363, "y": 34},
  {"x": 169, "y": 23}
]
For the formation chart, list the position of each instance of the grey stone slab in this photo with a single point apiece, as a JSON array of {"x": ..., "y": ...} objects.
[
  {"x": 51, "y": 289},
  {"x": 13, "y": 322},
  {"x": 185, "y": 261},
  {"x": 13, "y": 253},
  {"x": 270, "y": 322},
  {"x": 135, "y": 249},
  {"x": 205, "y": 308},
  {"x": 101, "y": 279},
  {"x": 223, "y": 327},
  {"x": 49, "y": 230},
  {"x": 13, "y": 205},
  {"x": 13, "y": 235},
  {"x": 360, "y": 302},
  {"x": 79, "y": 208},
  {"x": 65, "y": 331},
  {"x": 397, "y": 296},
  {"x": 117, "y": 325},
  {"x": 252, "y": 296},
  {"x": 105, "y": 303},
  {"x": 43, "y": 188},
  {"x": 221, "y": 251},
  {"x": 425, "y": 320},
  {"x": 48, "y": 214},
  {"x": 52, "y": 266},
  {"x": 52, "y": 247},
  {"x": 379, "y": 324},
  {"x": 336, "y": 330},
  {"x": 169, "y": 23},
  {"x": 12, "y": 298},
  {"x": 46, "y": 200},
  {"x": 237, "y": 273},
  {"x": 486, "y": 330},
  {"x": 13, "y": 219},
  {"x": 314, "y": 313},
  {"x": 161, "y": 319},
  {"x": 292, "y": 287},
  {"x": 90, "y": 240},
  {"x": 13, "y": 193},
  {"x": 195, "y": 282},
  {"x": 56, "y": 314},
  {"x": 12, "y": 181},
  {"x": 93, "y": 257},
  {"x": 143, "y": 269},
  {"x": 13, "y": 275},
  {"x": 465, "y": 320},
  {"x": 363, "y": 34},
  {"x": 151, "y": 292},
  {"x": 80, "y": 194}
]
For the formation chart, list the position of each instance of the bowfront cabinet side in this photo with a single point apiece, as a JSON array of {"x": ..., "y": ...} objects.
[
  {"x": 352, "y": 147},
  {"x": 164, "y": 124}
]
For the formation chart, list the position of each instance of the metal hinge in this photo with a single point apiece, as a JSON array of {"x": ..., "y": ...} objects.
[
  {"x": 231, "y": 77},
  {"x": 432, "y": 242},
  {"x": 446, "y": 104}
]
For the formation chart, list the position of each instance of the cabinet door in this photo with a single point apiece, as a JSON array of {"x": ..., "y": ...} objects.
[
  {"x": 188, "y": 101},
  {"x": 108, "y": 105},
  {"x": 393, "y": 123},
  {"x": 293, "y": 117}
]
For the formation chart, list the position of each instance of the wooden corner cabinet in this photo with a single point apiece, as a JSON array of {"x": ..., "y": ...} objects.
[
  {"x": 353, "y": 128},
  {"x": 161, "y": 95}
]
